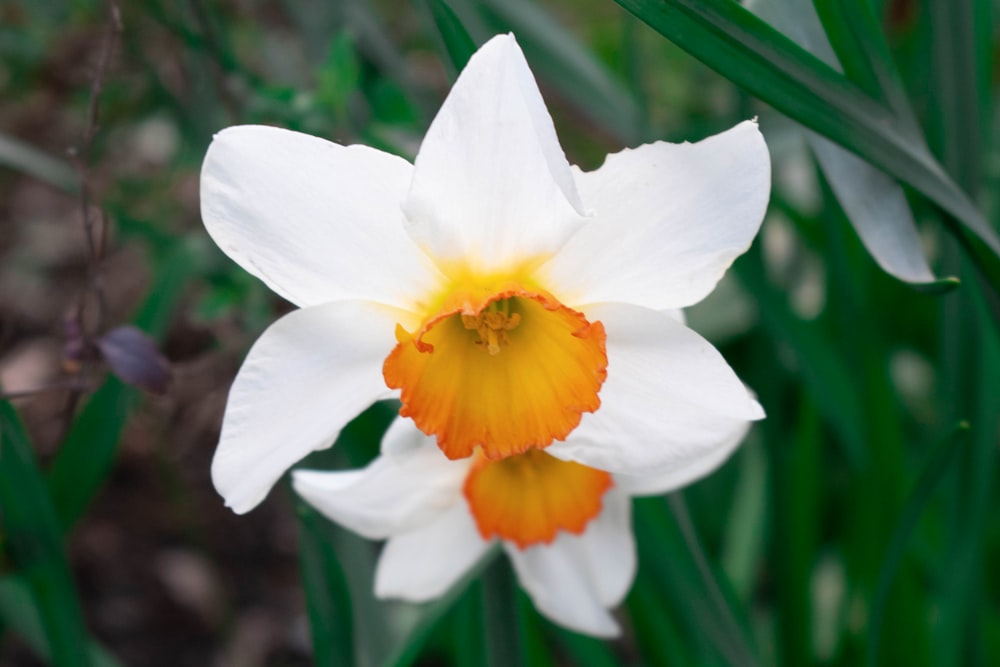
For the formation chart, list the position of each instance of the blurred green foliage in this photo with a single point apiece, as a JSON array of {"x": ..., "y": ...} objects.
[{"x": 855, "y": 523}]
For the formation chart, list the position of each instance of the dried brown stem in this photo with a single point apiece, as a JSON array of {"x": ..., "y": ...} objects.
[{"x": 95, "y": 230}]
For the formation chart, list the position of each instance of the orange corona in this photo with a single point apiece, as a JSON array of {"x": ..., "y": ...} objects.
[
  {"x": 506, "y": 373},
  {"x": 527, "y": 499}
]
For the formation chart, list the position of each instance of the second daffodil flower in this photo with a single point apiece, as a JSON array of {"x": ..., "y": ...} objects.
[
  {"x": 518, "y": 307},
  {"x": 567, "y": 528}
]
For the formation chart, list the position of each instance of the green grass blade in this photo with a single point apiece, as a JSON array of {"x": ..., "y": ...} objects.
[
  {"x": 27, "y": 159},
  {"x": 956, "y": 90},
  {"x": 677, "y": 581},
  {"x": 931, "y": 476},
  {"x": 657, "y": 636},
  {"x": 825, "y": 371},
  {"x": 457, "y": 42},
  {"x": 734, "y": 42},
  {"x": 874, "y": 203},
  {"x": 500, "y": 615},
  {"x": 855, "y": 34},
  {"x": 744, "y": 538},
  {"x": 408, "y": 651},
  {"x": 585, "y": 651},
  {"x": 852, "y": 49},
  {"x": 20, "y": 612},
  {"x": 721, "y": 603},
  {"x": 466, "y": 626},
  {"x": 558, "y": 58},
  {"x": 328, "y": 600},
  {"x": 879, "y": 213},
  {"x": 87, "y": 454},
  {"x": 34, "y": 541}
]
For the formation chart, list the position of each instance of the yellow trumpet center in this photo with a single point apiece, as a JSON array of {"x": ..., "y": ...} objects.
[{"x": 513, "y": 372}]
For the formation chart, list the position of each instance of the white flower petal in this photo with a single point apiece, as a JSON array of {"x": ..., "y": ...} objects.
[
  {"x": 607, "y": 547},
  {"x": 575, "y": 579},
  {"x": 386, "y": 497},
  {"x": 314, "y": 220},
  {"x": 310, "y": 373},
  {"x": 424, "y": 563},
  {"x": 491, "y": 185},
  {"x": 669, "y": 220},
  {"x": 669, "y": 397},
  {"x": 403, "y": 438},
  {"x": 700, "y": 463}
]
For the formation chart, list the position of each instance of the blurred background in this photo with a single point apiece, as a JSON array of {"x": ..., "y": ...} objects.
[{"x": 857, "y": 524}]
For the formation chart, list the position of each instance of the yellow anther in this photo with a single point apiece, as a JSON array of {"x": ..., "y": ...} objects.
[{"x": 492, "y": 327}]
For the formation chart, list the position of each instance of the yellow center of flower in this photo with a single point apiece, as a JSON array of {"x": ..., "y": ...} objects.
[
  {"x": 506, "y": 372},
  {"x": 527, "y": 499}
]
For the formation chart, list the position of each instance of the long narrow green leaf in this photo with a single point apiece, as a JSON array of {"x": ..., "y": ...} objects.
[
  {"x": 744, "y": 540},
  {"x": 720, "y": 602},
  {"x": 568, "y": 66},
  {"x": 27, "y": 159},
  {"x": 20, "y": 612},
  {"x": 407, "y": 653},
  {"x": 328, "y": 599},
  {"x": 956, "y": 95},
  {"x": 500, "y": 617},
  {"x": 467, "y": 628},
  {"x": 749, "y": 52},
  {"x": 824, "y": 370},
  {"x": 845, "y": 39},
  {"x": 585, "y": 651},
  {"x": 855, "y": 34},
  {"x": 874, "y": 203},
  {"x": 676, "y": 580},
  {"x": 34, "y": 540},
  {"x": 934, "y": 471},
  {"x": 657, "y": 635},
  {"x": 457, "y": 41}
]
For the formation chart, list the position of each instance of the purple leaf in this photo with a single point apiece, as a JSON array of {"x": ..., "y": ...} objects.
[{"x": 134, "y": 357}]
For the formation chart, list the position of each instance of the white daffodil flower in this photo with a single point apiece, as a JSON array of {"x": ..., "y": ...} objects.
[
  {"x": 566, "y": 528},
  {"x": 510, "y": 301}
]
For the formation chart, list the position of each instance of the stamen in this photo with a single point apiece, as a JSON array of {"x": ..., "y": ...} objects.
[{"x": 492, "y": 325}]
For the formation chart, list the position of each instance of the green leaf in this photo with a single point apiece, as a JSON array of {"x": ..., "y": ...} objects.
[
  {"x": 457, "y": 42},
  {"x": 678, "y": 581},
  {"x": 656, "y": 633},
  {"x": 855, "y": 34},
  {"x": 27, "y": 159},
  {"x": 736, "y": 629},
  {"x": 743, "y": 48},
  {"x": 877, "y": 209},
  {"x": 34, "y": 541},
  {"x": 933, "y": 472},
  {"x": 20, "y": 612},
  {"x": 585, "y": 651},
  {"x": 558, "y": 57},
  {"x": 432, "y": 614},
  {"x": 744, "y": 539},
  {"x": 503, "y": 641},
  {"x": 874, "y": 203},
  {"x": 328, "y": 600},
  {"x": 824, "y": 370},
  {"x": 338, "y": 79}
]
